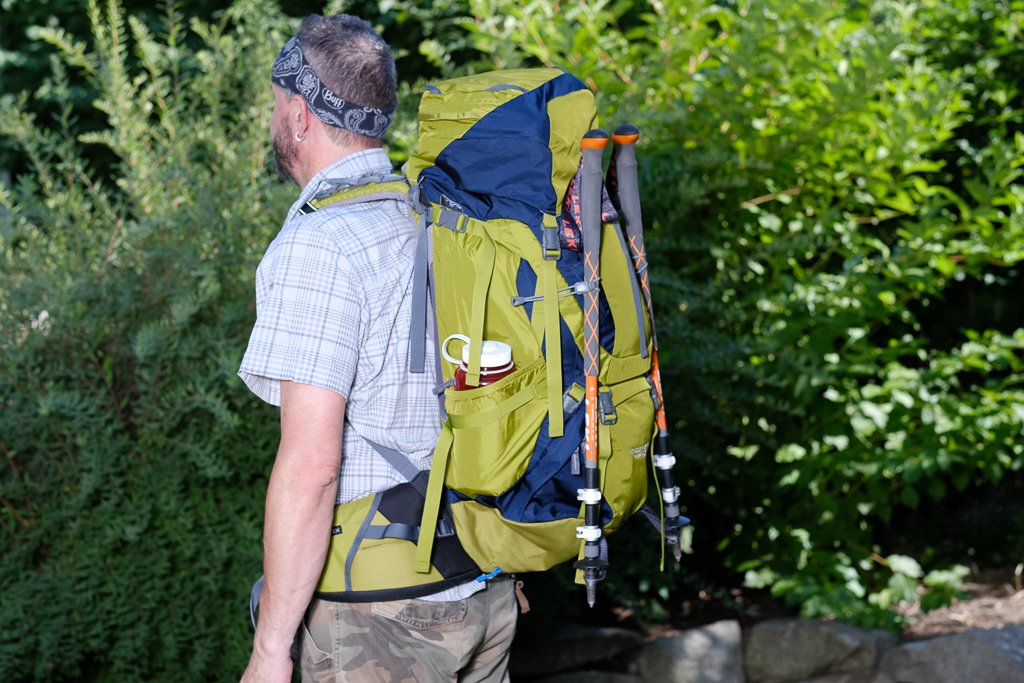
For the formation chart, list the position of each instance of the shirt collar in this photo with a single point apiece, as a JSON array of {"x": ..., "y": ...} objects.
[{"x": 356, "y": 165}]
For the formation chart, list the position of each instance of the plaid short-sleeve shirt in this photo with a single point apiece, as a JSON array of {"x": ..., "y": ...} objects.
[{"x": 333, "y": 306}]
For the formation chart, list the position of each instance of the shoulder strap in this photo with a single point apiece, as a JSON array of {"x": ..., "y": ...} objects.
[{"x": 347, "y": 191}]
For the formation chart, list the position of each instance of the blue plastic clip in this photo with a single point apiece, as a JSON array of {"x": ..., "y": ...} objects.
[{"x": 483, "y": 578}]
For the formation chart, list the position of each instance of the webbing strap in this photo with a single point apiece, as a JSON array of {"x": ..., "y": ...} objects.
[
  {"x": 357, "y": 541},
  {"x": 418, "y": 326},
  {"x": 537, "y": 316},
  {"x": 406, "y": 532},
  {"x": 553, "y": 346},
  {"x": 638, "y": 304},
  {"x": 401, "y": 462},
  {"x": 432, "y": 505},
  {"x": 604, "y": 440},
  {"x": 513, "y": 402},
  {"x": 661, "y": 510},
  {"x": 476, "y": 325}
]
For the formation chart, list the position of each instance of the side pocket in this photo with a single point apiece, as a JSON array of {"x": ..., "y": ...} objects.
[
  {"x": 631, "y": 442},
  {"x": 495, "y": 430}
]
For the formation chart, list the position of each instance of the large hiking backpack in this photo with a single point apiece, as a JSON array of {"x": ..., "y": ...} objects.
[{"x": 501, "y": 197}]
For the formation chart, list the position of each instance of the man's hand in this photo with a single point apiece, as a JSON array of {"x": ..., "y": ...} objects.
[
  {"x": 296, "y": 532},
  {"x": 264, "y": 669}
]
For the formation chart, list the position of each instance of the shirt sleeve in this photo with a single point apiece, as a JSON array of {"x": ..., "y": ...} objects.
[{"x": 308, "y": 316}]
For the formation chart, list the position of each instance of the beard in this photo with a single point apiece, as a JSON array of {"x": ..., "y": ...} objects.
[{"x": 285, "y": 156}]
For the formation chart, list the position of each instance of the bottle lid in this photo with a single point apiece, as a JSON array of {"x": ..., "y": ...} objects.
[{"x": 493, "y": 354}]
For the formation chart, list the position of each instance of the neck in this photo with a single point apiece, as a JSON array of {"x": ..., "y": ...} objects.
[{"x": 321, "y": 154}]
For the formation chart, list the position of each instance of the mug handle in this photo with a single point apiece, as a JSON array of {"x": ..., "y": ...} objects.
[{"x": 444, "y": 348}]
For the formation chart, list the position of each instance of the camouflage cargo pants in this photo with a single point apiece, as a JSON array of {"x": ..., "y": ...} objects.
[{"x": 407, "y": 641}]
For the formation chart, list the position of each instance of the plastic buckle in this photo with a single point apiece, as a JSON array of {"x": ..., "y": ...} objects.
[
  {"x": 606, "y": 407},
  {"x": 444, "y": 529},
  {"x": 571, "y": 402},
  {"x": 654, "y": 393},
  {"x": 552, "y": 248},
  {"x": 451, "y": 219}
]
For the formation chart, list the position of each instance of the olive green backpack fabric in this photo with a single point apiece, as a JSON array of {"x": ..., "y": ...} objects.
[{"x": 491, "y": 190}]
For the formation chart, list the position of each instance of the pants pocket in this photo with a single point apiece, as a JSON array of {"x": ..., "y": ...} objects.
[
  {"x": 317, "y": 640},
  {"x": 421, "y": 614}
]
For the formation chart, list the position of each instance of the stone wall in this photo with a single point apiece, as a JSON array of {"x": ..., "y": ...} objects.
[{"x": 777, "y": 651}]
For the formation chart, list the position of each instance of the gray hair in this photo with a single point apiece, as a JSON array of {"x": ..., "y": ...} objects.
[{"x": 353, "y": 62}]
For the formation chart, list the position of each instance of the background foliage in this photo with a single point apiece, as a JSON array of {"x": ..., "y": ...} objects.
[{"x": 835, "y": 211}]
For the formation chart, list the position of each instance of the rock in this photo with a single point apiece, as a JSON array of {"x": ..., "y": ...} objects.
[
  {"x": 978, "y": 656},
  {"x": 853, "y": 677},
  {"x": 794, "y": 649},
  {"x": 573, "y": 647},
  {"x": 592, "y": 677},
  {"x": 710, "y": 654}
]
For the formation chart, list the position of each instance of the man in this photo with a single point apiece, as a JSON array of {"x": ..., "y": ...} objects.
[{"x": 331, "y": 347}]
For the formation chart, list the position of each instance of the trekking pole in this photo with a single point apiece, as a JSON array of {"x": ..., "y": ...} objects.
[
  {"x": 593, "y": 565},
  {"x": 623, "y": 165}
]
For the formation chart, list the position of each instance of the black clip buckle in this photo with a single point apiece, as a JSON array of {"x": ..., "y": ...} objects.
[
  {"x": 552, "y": 247},
  {"x": 444, "y": 528},
  {"x": 606, "y": 406}
]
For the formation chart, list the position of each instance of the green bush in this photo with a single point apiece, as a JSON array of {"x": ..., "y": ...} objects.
[
  {"x": 135, "y": 460},
  {"x": 817, "y": 177},
  {"x": 801, "y": 192}
]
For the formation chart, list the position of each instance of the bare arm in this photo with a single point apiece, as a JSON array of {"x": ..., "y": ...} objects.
[{"x": 296, "y": 532}]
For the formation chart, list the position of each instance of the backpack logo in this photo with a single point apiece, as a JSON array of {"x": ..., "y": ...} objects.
[
  {"x": 335, "y": 530},
  {"x": 639, "y": 451},
  {"x": 449, "y": 204}
]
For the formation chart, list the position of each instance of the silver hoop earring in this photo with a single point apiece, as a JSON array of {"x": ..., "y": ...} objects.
[{"x": 298, "y": 139}]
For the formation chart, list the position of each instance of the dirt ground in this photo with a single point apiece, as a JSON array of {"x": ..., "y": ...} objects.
[{"x": 995, "y": 598}]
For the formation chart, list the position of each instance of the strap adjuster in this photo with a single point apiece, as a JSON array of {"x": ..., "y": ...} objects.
[
  {"x": 606, "y": 407},
  {"x": 444, "y": 529},
  {"x": 572, "y": 398},
  {"x": 552, "y": 247},
  {"x": 452, "y": 219}
]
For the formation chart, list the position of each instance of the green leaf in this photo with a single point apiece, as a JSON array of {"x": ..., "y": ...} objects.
[
  {"x": 952, "y": 578},
  {"x": 901, "y": 564},
  {"x": 790, "y": 453},
  {"x": 903, "y": 589}
]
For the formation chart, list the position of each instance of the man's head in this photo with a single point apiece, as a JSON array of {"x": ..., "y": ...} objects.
[{"x": 334, "y": 89}]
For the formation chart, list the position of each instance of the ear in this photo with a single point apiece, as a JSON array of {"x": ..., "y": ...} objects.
[{"x": 301, "y": 116}]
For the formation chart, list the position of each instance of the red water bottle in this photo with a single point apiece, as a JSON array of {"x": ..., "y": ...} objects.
[{"x": 495, "y": 361}]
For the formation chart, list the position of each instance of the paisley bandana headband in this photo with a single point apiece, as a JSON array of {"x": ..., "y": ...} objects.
[{"x": 293, "y": 74}]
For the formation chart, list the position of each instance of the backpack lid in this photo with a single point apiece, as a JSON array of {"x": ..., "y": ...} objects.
[{"x": 502, "y": 144}]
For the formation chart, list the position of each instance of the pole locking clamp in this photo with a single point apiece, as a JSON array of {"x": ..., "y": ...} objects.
[{"x": 664, "y": 462}]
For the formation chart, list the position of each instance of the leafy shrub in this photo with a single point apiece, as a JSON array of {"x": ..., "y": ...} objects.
[
  {"x": 135, "y": 460},
  {"x": 815, "y": 184},
  {"x": 807, "y": 193}
]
